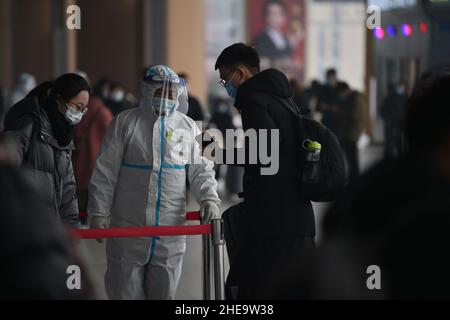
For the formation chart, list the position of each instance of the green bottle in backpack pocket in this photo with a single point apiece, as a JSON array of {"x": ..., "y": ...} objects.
[{"x": 311, "y": 161}]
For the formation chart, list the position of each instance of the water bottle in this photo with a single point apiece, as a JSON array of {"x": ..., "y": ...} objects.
[{"x": 311, "y": 161}]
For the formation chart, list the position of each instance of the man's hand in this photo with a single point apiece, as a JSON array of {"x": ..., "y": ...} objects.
[{"x": 209, "y": 210}]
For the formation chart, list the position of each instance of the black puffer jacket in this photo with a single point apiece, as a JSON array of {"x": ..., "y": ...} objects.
[
  {"x": 34, "y": 250},
  {"x": 276, "y": 208},
  {"x": 28, "y": 125}
]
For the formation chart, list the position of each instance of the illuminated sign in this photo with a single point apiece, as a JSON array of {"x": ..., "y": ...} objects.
[
  {"x": 407, "y": 30},
  {"x": 392, "y": 31},
  {"x": 378, "y": 33},
  {"x": 423, "y": 27},
  {"x": 386, "y": 5}
]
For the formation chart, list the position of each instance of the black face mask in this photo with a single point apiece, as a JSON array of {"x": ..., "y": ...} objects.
[{"x": 61, "y": 127}]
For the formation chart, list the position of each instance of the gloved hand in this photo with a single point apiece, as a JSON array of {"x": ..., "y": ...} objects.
[
  {"x": 99, "y": 222},
  {"x": 209, "y": 210}
]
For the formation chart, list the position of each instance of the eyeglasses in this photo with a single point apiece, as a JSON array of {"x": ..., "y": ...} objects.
[
  {"x": 222, "y": 82},
  {"x": 80, "y": 107}
]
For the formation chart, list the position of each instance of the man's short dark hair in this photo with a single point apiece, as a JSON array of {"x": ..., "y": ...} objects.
[
  {"x": 331, "y": 72},
  {"x": 268, "y": 3},
  {"x": 238, "y": 54}
]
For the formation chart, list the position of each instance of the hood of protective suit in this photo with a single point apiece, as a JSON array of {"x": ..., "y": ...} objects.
[
  {"x": 163, "y": 91},
  {"x": 25, "y": 83}
]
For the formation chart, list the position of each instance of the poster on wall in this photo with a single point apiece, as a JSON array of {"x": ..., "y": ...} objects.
[{"x": 277, "y": 31}]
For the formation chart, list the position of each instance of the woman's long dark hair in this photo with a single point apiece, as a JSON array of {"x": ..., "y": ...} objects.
[
  {"x": 67, "y": 86},
  {"x": 42, "y": 90}
]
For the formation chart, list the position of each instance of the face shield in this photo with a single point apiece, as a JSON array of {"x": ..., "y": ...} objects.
[{"x": 163, "y": 91}]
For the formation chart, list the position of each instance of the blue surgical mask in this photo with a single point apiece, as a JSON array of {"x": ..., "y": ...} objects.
[
  {"x": 400, "y": 90},
  {"x": 166, "y": 105},
  {"x": 223, "y": 108},
  {"x": 231, "y": 90}
]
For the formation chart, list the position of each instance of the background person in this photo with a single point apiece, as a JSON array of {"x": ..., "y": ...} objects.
[
  {"x": 382, "y": 219},
  {"x": 88, "y": 136}
]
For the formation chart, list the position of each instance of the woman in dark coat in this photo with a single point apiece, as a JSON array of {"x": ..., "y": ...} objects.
[{"x": 42, "y": 125}]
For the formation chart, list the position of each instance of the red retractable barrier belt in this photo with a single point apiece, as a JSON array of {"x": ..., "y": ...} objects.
[
  {"x": 191, "y": 215},
  {"x": 144, "y": 231},
  {"x": 141, "y": 232}
]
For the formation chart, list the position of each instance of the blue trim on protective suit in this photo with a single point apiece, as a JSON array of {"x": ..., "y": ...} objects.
[
  {"x": 136, "y": 166},
  {"x": 161, "y": 151},
  {"x": 173, "y": 166},
  {"x": 146, "y": 167},
  {"x": 152, "y": 248},
  {"x": 158, "y": 200}
]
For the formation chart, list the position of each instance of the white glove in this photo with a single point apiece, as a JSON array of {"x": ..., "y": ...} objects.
[
  {"x": 99, "y": 222},
  {"x": 209, "y": 210}
]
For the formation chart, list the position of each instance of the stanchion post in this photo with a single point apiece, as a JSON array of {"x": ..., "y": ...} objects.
[
  {"x": 206, "y": 252},
  {"x": 218, "y": 246}
]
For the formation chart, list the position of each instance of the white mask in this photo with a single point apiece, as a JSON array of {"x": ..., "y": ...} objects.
[
  {"x": 117, "y": 96},
  {"x": 73, "y": 115}
]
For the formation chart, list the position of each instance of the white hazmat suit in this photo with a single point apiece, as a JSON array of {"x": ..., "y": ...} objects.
[{"x": 140, "y": 180}]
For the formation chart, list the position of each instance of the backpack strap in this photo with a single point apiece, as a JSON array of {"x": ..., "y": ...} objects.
[{"x": 292, "y": 107}]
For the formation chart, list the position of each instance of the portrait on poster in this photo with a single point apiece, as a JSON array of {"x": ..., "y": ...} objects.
[{"x": 277, "y": 31}]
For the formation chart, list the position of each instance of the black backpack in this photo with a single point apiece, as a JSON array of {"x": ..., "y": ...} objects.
[{"x": 326, "y": 177}]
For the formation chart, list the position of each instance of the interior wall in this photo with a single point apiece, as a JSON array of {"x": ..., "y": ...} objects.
[
  {"x": 107, "y": 44},
  {"x": 185, "y": 43},
  {"x": 31, "y": 33}
]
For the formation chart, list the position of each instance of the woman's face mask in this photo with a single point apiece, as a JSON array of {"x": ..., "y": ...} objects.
[
  {"x": 73, "y": 115},
  {"x": 74, "y": 110}
]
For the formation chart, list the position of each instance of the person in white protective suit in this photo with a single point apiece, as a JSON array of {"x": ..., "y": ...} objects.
[{"x": 140, "y": 180}]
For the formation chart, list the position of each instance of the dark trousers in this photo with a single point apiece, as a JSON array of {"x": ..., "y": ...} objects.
[
  {"x": 350, "y": 149},
  {"x": 270, "y": 269},
  {"x": 393, "y": 136}
]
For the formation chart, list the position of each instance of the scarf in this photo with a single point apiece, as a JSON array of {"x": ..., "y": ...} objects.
[{"x": 61, "y": 127}]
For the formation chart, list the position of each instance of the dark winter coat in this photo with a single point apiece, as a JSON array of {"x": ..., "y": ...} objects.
[
  {"x": 28, "y": 125},
  {"x": 277, "y": 221},
  {"x": 35, "y": 250},
  {"x": 276, "y": 208}
]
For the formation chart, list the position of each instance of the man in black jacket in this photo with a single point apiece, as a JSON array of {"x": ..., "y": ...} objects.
[{"x": 279, "y": 222}]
